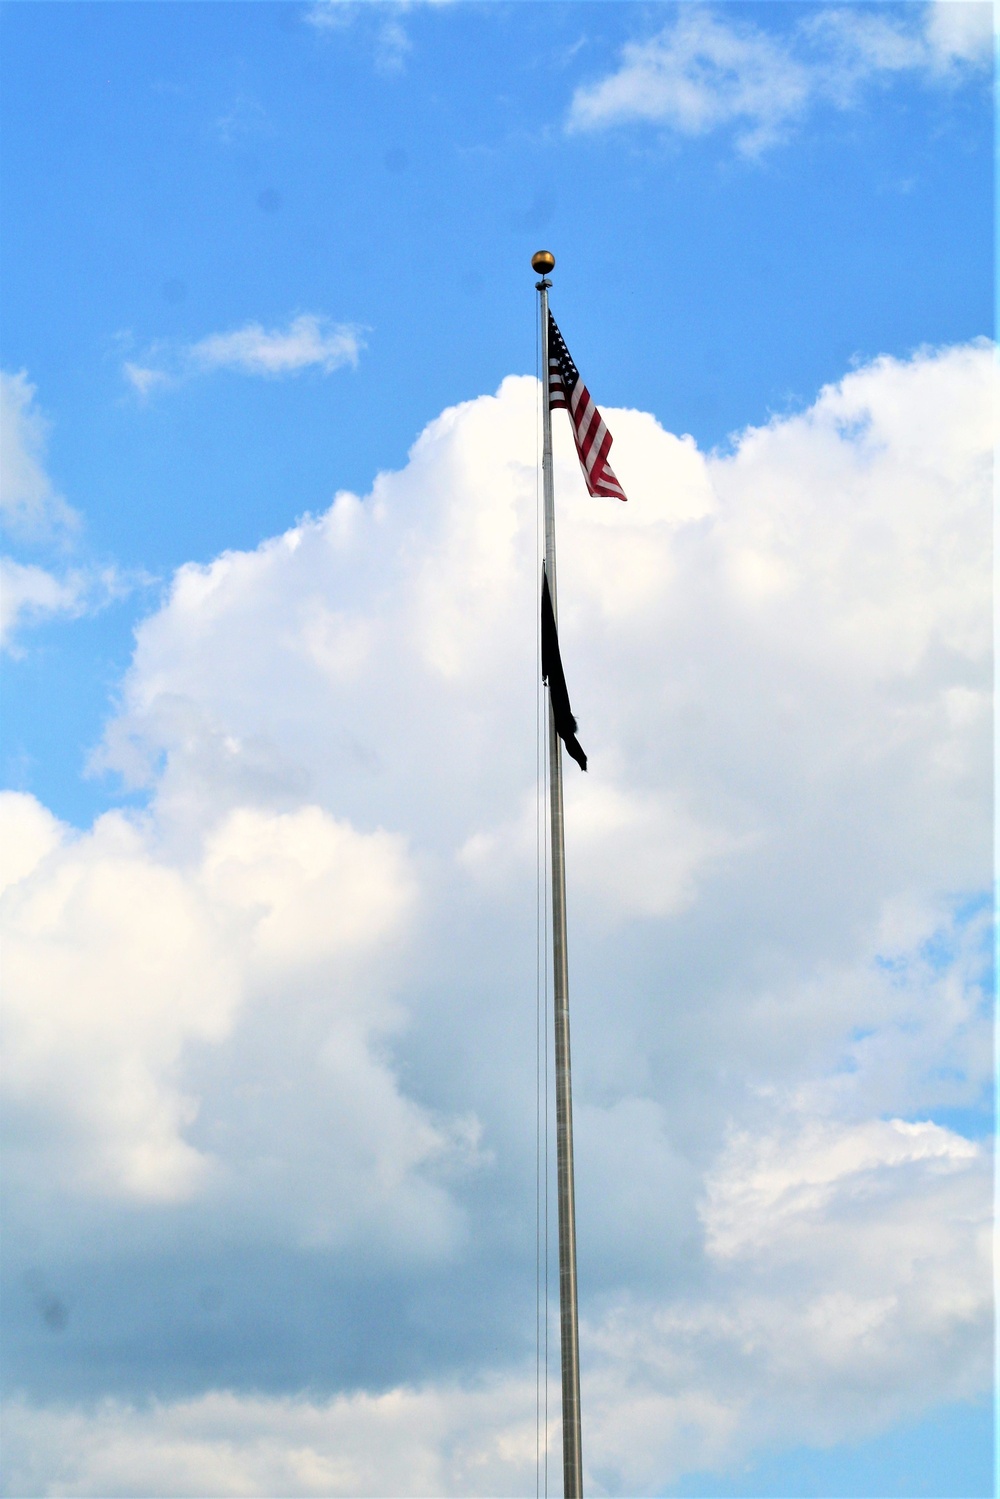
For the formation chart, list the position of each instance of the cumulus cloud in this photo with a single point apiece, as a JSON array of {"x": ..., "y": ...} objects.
[
  {"x": 119, "y": 961},
  {"x": 309, "y": 342},
  {"x": 114, "y": 951},
  {"x": 862, "y": 1291},
  {"x": 429, "y": 1441},
  {"x": 302, "y": 978},
  {"x": 850, "y": 1284},
  {"x": 703, "y": 72}
]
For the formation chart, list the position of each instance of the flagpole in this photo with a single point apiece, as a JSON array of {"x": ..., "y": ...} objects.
[{"x": 569, "y": 1330}]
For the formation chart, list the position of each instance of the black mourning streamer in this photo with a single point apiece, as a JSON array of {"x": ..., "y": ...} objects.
[{"x": 552, "y": 673}]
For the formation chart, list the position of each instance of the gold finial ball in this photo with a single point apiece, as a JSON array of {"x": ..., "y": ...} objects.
[{"x": 543, "y": 261}]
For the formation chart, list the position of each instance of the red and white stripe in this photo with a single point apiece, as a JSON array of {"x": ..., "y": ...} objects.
[
  {"x": 593, "y": 440},
  {"x": 593, "y": 443}
]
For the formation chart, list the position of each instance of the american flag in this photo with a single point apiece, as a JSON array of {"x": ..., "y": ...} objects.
[{"x": 593, "y": 440}]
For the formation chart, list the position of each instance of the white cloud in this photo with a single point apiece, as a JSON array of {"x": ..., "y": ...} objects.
[
  {"x": 414, "y": 1442},
  {"x": 329, "y": 15},
  {"x": 704, "y": 72},
  {"x": 639, "y": 854},
  {"x": 301, "y": 980},
  {"x": 144, "y": 378},
  {"x": 30, "y": 594},
  {"x": 245, "y": 120},
  {"x": 392, "y": 47},
  {"x": 773, "y": 1192},
  {"x": 110, "y": 966},
  {"x": 696, "y": 75},
  {"x": 119, "y": 962},
  {"x": 390, "y": 38},
  {"x": 29, "y": 505},
  {"x": 758, "y": 641},
  {"x": 859, "y": 45},
  {"x": 309, "y": 342},
  {"x": 853, "y": 1282},
  {"x": 961, "y": 31},
  {"x": 37, "y": 517}
]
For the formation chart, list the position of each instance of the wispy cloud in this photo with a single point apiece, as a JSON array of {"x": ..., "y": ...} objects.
[
  {"x": 30, "y": 594},
  {"x": 309, "y": 342},
  {"x": 29, "y": 591},
  {"x": 391, "y": 39},
  {"x": 698, "y": 74},
  {"x": 40, "y": 523},
  {"x": 331, "y": 15},
  {"x": 244, "y": 121},
  {"x": 704, "y": 72},
  {"x": 391, "y": 47},
  {"x": 143, "y": 378},
  {"x": 854, "y": 45},
  {"x": 328, "y": 15},
  {"x": 30, "y": 506}
]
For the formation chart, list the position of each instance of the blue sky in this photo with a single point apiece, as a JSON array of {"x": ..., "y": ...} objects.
[
  {"x": 405, "y": 200},
  {"x": 258, "y": 256}
]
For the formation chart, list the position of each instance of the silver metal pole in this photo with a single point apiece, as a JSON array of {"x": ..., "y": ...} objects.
[{"x": 570, "y": 1338}]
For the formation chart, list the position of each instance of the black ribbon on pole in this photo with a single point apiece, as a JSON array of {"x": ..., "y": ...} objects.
[{"x": 552, "y": 673}]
